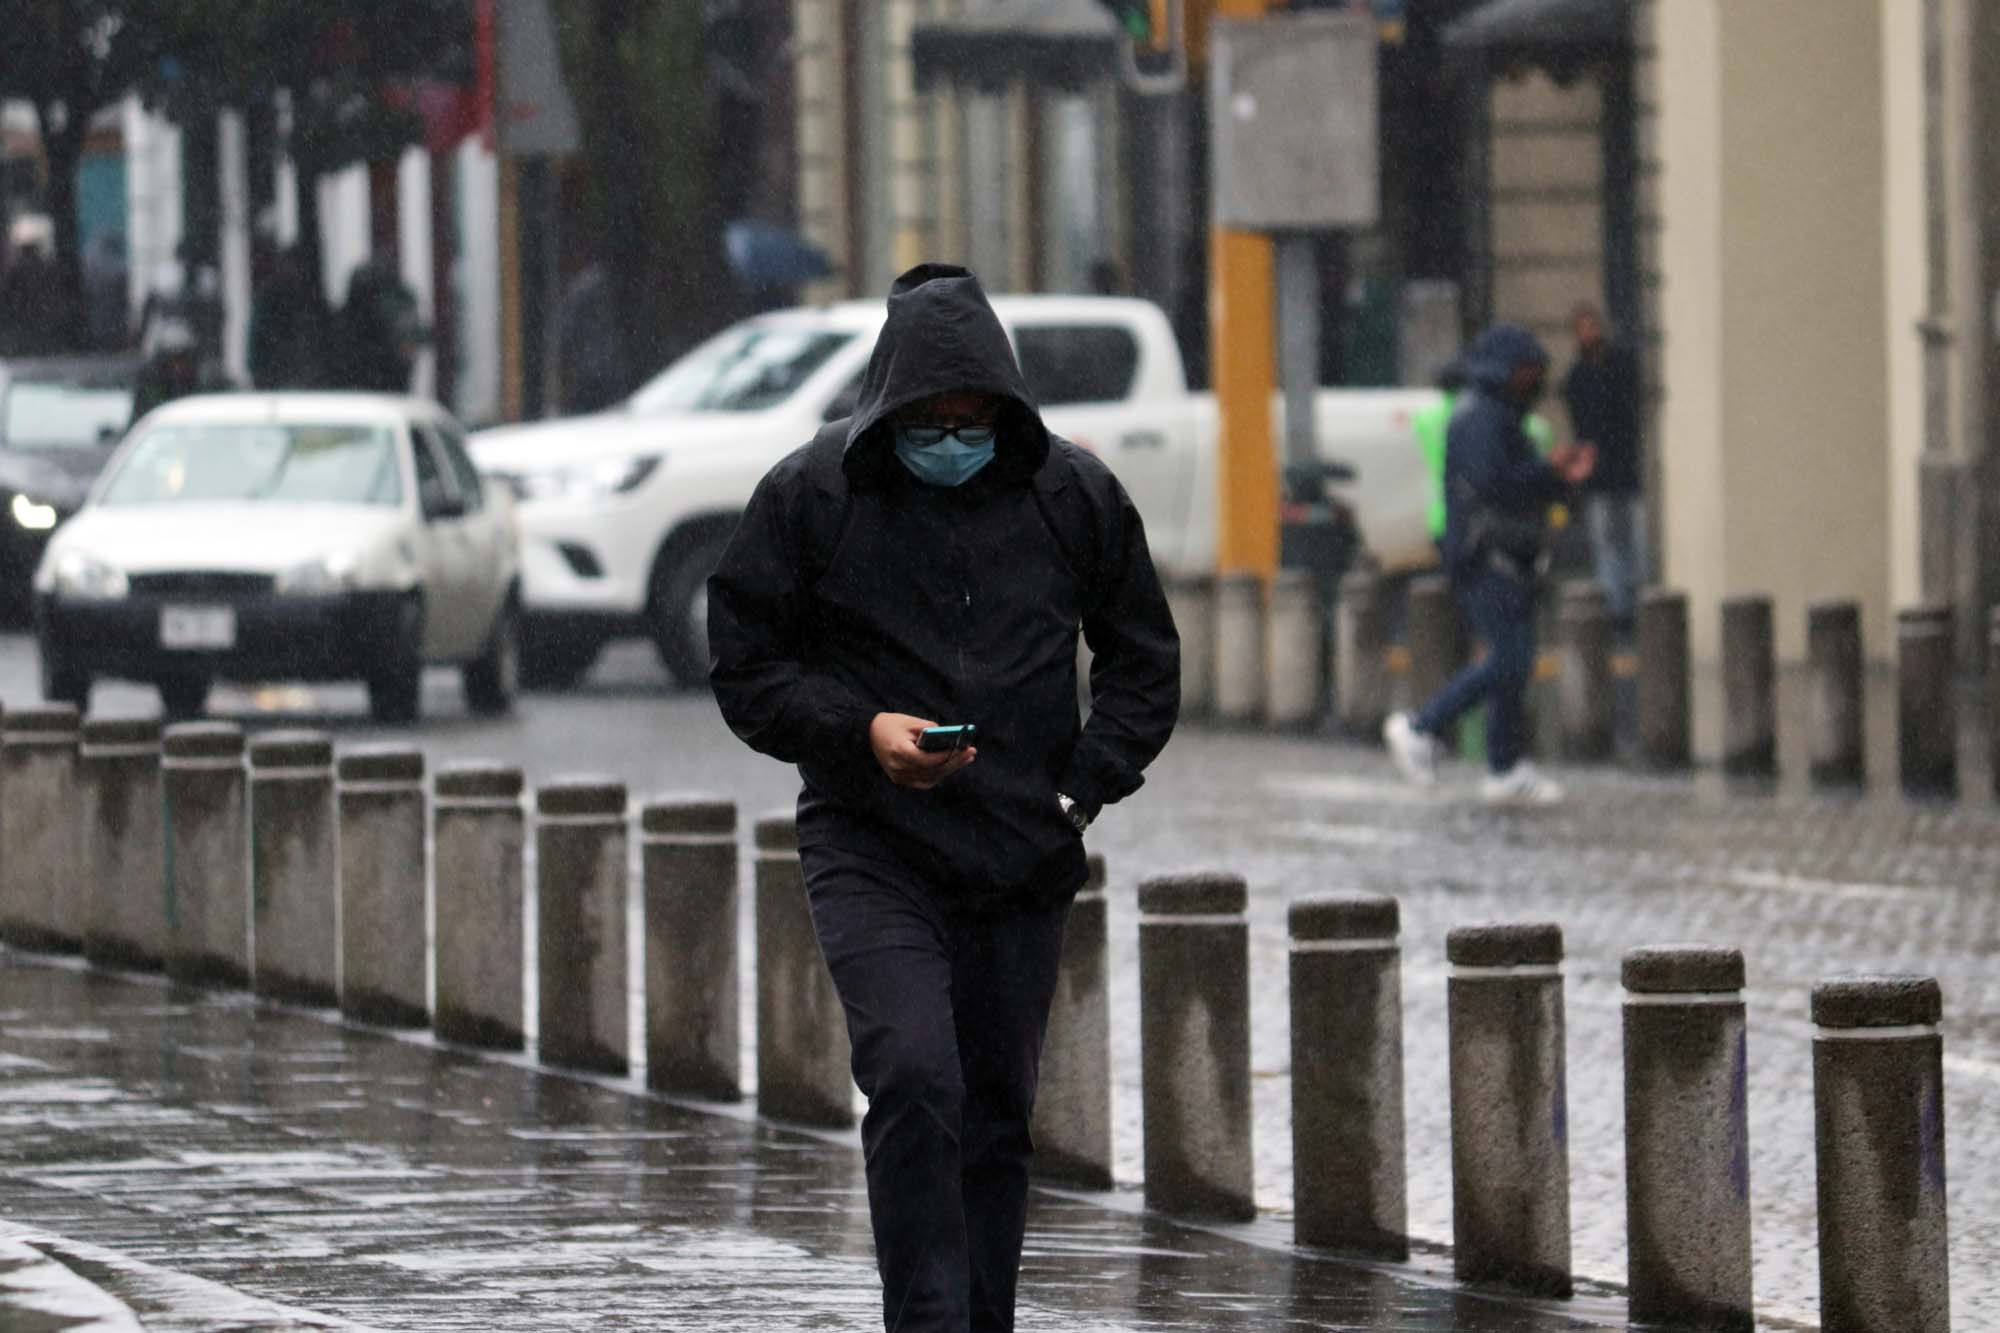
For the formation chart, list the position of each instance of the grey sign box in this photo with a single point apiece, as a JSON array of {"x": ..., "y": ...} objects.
[{"x": 1293, "y": 110}]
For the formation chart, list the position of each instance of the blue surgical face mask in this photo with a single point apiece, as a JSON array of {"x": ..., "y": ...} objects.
[{"x": 949, "y": 462}]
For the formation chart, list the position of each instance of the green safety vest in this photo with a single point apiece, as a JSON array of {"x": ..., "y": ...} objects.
[{"x": 1433, "y": 424}]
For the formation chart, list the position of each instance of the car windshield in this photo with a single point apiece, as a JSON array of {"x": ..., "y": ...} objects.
[
  {"x": 741, "y": 370},
  {"x": 64, "y": 414},
  {"x": 261, "y": 463}
]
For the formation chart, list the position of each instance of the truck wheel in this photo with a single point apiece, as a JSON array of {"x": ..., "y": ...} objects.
[
  {"x": 62, "y": 683},
  {"x": 494, "y": 679},
  {"x": 679, "y": 612},
  {"x": 396, "y": 690},
  {"x": 556, "y": 658}
]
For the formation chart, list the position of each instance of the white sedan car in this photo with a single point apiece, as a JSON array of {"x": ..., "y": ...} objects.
[{"x": 261, "y": 537}]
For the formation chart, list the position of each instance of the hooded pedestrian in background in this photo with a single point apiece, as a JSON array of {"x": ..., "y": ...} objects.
[
  {"x": 1601, "y": 392},
  {"x": 1498, "y": 490},
  {"x": 929, "y": 561}
]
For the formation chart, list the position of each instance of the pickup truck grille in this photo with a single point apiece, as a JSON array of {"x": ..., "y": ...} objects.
[{"x": 218, "y": 585}]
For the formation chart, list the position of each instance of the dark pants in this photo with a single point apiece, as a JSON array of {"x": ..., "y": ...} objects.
[
  {"x": 1502, "y": 611},
  {"x": 946, "y": 1014}
]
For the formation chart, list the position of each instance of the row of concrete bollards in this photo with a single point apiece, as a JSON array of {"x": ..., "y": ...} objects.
[
  {"x": 1269, "y": 658},
  {"x": 1878, "y": 1086},
  {"x": 302, "y": 873}
]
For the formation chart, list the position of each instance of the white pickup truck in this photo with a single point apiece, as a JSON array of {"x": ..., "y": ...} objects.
[{"x": 624, "y": 514}]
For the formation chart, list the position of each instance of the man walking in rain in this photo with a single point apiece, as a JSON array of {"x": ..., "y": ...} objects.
[{"x": 928, "y": 564}]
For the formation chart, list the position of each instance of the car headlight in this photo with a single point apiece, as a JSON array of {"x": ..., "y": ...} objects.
[
  {"x": 585, "y": 481},
  {"x": 78, "y": 574},
  {"x": 32, "y": 514},
  {"x": 320, "y": 578}
]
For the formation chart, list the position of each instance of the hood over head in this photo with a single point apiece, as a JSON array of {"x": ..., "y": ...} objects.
[
  {"x": 1497, "y": 351},
  {"x": 942, "y": 337}
]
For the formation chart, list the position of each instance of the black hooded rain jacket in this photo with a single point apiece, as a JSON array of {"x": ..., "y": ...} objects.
[{"x": 851, "y": 588}]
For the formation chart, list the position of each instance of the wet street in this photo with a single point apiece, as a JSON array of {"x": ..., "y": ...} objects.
[{"x": 227, "y": 1153}]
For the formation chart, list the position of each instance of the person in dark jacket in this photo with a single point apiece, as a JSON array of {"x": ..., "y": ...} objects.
[
  {"x": 1601, "y": 392},
  {"x": 930, "y": 561},
  {"x": 1497, "y": 494}
]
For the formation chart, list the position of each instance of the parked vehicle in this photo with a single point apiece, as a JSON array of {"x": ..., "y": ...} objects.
[
  {"x": 59, "y": 422},
  {"x": 624, "y": 513},
  {"x": 257, "y": 537}
]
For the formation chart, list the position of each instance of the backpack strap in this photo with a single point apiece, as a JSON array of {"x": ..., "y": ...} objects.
[
  {"x": 1072, "y": 520},
  {"x": 823, "y": 520}
]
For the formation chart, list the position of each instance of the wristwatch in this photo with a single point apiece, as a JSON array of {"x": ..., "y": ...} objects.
[{"x": 1074, "y": 813}]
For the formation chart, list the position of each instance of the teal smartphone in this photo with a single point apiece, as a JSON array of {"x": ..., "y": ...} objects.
[{"x": 945, "y": 740}]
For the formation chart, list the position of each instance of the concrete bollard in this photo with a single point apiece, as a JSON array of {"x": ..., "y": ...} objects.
[
  {"x": 1687, "y": 1139},
  {"x": 1926, "y": 702},
  {"x": 1509, "y": 1108},
  {"x": 1072, "y": 1122},
  {"x": 1294, "y": 652},
  {"x": 43, "y": 891},
  {"x": 1192, "y": 602},
  {"x": 803, "y": 1055},
  {"x": 1347, "y": 1076},
  {"x": 1993, "y": 699},
  {"x": 123, "y": 862},
  {"x": 1435, "y": 637},
  {"x": 207, "y": 853},
  {"x": 1878, "y": 1095},
  {"x": 1836, "y": 715},
  {"x": 693, "y": 1034},
  {"x": 581, "y": 884},
  {"x": 1665, "y": 704},
  {"x": 1239, "y": 648},
  {"x": 294, "y": 875},
  {"x": 1194, "y": 1045},
  {"x": 1584, "y": 690},
  {"x": 1360, "y": 686},
  {"x": 478, "y": 841},
  {"x": 383, "y": 953},
  {"x": 1749, "y": 688}
]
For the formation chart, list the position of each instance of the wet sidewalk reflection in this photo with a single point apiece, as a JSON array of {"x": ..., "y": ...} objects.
[{"x": 355, "y": 1177}]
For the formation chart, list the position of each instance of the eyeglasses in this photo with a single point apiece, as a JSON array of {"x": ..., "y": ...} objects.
[{"x": 971, "y": 432}]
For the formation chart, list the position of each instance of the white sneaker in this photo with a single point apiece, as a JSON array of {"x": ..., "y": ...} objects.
[
  {"x": 1523, "y": 784},
  {"x": 1416, "y": 754}
]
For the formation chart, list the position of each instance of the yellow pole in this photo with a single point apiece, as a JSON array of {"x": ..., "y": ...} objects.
[{"x": 1243, "y": 353}]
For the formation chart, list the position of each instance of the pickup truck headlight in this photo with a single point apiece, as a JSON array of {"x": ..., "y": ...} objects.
[
  {"x": 584, "y": 481},
  {"x": 81, "y": 575},
  {"x": 319, "y": 578},
  {"x": 31, "y": 514}
]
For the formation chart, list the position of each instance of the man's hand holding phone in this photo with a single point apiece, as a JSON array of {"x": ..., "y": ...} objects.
[{"x": 896, "y": 739}]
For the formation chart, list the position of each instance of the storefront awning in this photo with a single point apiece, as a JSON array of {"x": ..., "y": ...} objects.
[
  {"x": 1066, "y": 44},
  {"x": 1529, "y": 27}
]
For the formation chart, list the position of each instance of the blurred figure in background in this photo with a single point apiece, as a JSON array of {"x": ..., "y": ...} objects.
[
  {"x": 1602, "y": 393},
  {"x": 286, "y": 334},
  {"x": 1498, "y": 490},
  {"x": 106, "y": 280},
  {"x": 378, "y": 332},
  {"x": 31, "y": 322},
  {"x": 173, "y": 368},
  {"x": 588, "y": 342}
]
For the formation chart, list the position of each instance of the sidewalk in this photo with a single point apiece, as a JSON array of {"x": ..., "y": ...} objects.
[{"x": 177, "y": 1161}]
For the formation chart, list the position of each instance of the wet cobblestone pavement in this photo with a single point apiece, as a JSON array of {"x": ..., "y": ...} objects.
[
  {"x": 181, "y": 1162},
  {"x": 1807, "y": 886}
]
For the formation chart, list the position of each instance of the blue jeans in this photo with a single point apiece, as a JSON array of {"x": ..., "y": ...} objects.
[
  {"x": 1502, "y": 611},
  {"x": 1618, "y": 546}
]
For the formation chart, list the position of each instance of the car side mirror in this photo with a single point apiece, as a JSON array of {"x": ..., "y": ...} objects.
[{"x": 439, "y": 503}]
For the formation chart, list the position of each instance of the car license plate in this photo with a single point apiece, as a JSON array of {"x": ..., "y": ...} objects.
[{"x": 190, "y": 628}]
